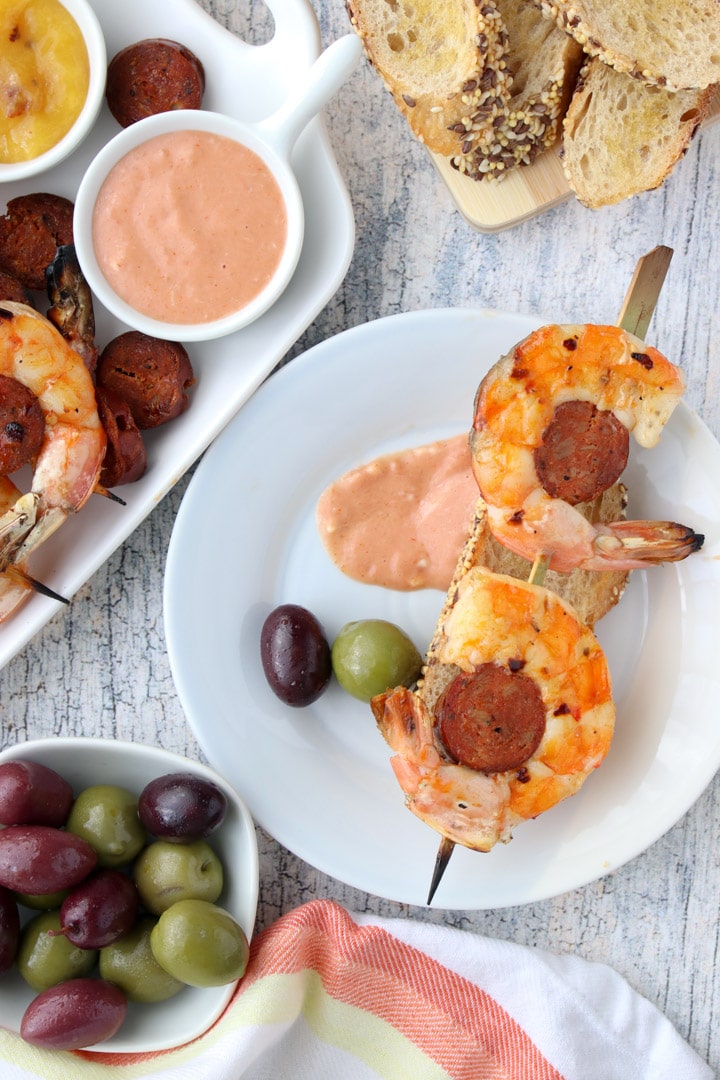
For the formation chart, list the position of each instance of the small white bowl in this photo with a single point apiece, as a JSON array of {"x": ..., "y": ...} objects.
[
  {"x": 84, "y": 15},
  {"x": 87, "y": 761},
  {"x": 271, "y": 139}
]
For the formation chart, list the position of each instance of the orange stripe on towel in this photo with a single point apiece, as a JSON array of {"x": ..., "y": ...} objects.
[{"x": 451, "y": 1020}]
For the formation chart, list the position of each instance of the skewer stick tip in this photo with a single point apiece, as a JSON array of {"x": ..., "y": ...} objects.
[
  {"x": 442, "y": 859},
  {"x": 107, "y": 494},
  {"x": 29, "y": 582}
]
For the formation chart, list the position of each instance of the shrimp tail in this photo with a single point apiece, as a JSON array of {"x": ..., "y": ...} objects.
[
  {"x": 72, "y": 304},
  {"x": 15, "y": 525},
  {"x": 633, "y": 544}
]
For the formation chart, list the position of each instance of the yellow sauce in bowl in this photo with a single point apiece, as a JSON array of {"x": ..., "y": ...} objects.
[{"x": 44, "y": 77}]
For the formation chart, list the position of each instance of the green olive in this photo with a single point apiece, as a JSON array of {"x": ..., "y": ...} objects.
[
  {"x": 200, "y": 944},
  {"x": 167, "y": 871},
  {"x": 46, "y": 957},
  {"x": 106, "y": 816},
  {"x": 371, "y": 656},
  {"x": 42, "y": 901},
  {"x": 130, "y": 964}
]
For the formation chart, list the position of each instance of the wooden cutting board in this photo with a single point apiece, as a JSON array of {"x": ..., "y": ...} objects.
[{"x": 493, "y": 206}]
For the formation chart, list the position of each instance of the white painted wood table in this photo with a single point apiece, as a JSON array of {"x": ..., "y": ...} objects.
[{"x": 100, "y": 666}]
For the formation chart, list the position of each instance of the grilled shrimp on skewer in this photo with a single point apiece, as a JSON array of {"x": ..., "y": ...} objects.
[
  {"x": 551, "y": 429},
  {"x": 68, "y": 463},
  {"x": 518, "y": 713}
]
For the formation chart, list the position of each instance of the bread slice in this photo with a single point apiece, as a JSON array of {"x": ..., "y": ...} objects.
[
  {"x": 621, "y": 137},
  {"x": 670, "y": 43},
  {"x": 591, "y": 593},
  {"x": 543, "y": 62},
  {"x": 443, "y": 63}
]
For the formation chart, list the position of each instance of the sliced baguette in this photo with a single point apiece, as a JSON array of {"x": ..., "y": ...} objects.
[
  {"x": 621, "y": 137},
  {"x": 543, "y": 63},
  {"x": 591, "y": 593},
  {"x": 670, "y": 43},
  {"x": 443, "y": 63}
]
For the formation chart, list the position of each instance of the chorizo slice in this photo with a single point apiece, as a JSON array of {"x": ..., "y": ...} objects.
[
  {"x": 584, "y": 450},
  {"x": 491, "y": 719},
  {"x": 33, "y": 228},
  {"x": 153, "y": 76},
  {"x": 22, "y": 425},
  {"x": 151, "y": 374}
]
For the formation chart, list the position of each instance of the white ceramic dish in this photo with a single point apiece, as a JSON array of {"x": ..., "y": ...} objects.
[
  {"x": 84, "y": 15},
  {"x": 272, "y": 140},
  {"x": 249, "y": 82},
  {"x": 132, "y": 765},
  {"x": 319, "y": 779}
]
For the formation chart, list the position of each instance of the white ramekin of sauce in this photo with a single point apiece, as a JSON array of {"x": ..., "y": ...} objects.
[
  {"x": 53, "y": 67},
  {"x": 189, "y": 224}
]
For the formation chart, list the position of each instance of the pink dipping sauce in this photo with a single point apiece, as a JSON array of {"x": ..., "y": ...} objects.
[
  {"x": 189, "y": 227},
  {"x": 401, "y": 520}
]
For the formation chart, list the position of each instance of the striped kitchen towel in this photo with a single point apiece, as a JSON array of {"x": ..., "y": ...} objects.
[{"x": 334, "y": 996}]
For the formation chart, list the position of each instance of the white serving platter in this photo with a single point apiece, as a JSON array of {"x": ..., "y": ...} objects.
[{"x": 248, "y": 81}]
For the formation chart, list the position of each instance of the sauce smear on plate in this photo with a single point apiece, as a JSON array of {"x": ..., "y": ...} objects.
[
  {"x": 401, "y": 520},
  {"x": 189, "y": 227}
]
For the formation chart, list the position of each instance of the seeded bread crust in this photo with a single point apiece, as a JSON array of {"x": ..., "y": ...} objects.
[
  {"x": 591, "y": 593},
  {"x": 543, "y": 62},
  {"x": 622, "y": 137},
  {"x": 443, "y": 63},
  {"x": 670, "y": 43}
]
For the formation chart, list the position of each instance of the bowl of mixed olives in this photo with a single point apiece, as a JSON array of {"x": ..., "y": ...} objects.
[{"x": 128, "y": 893}]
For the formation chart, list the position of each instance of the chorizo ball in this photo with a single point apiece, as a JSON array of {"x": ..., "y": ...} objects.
[
  {"x": 125, "y": 456},
  {"x": 12, "y": 289},
  {"x": 153, "y": 76},
  {"x": 151, "y": 375},
  {"x": 33, "y": 228}
]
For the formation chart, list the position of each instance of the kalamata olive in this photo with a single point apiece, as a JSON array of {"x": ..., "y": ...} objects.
[
  {"x": 99, "y": 910},
  {"x": 32, "y": 794},
  {"x": 39, "y": 859},
  {"x": 295, "y": 655},
  {"x": 371, "y": 656},
  {"x": 9, "y": 929},
  {"x": 74, "y": 1014},
  {"x": 181, "y": 806}
]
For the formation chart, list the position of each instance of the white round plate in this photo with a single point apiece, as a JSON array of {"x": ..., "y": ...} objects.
[{"x": 318, "y": 779}]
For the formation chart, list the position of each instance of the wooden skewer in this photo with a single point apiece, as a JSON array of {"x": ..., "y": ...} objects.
[
  {"x": 29, "y": 582},
  {"x": 635, "y": 316},
  {"x": 107, "y": 494}
]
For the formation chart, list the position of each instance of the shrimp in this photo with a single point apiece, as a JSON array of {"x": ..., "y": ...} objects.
[
  {"x": 68, "y": 464},
  {"x": 514, "y": 712},
  {"x": 550, "y": 429}
]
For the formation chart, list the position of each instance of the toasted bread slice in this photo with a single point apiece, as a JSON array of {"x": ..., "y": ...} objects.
[
  {"x": 443, "y": 63},
  {"x": 621, "y": 137},
  {"x": 670, "y": 43},
  {"x": 543, "y": 62},
  {"x": 591, "y": 593}
]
